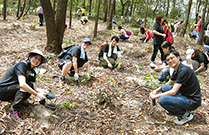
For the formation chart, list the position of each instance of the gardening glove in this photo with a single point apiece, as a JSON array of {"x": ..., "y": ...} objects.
[
  {"x": 41, "y": 96},
  {"x": 76, "y": 76},
  {"x": 109, "y": 65}
]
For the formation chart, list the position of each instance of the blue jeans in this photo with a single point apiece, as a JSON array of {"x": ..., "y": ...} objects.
[
  {"x": 176, "y": 105},
  {"x": 165, "y": 75},
  {"x": 198, "y": 36}
]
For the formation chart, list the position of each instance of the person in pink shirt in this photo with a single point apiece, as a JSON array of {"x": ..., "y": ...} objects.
[
  {"x": 198, "y": 28},
  {"x": 148, "y": 35}
]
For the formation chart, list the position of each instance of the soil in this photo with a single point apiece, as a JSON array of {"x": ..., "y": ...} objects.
[{"x": 111, "y": 102}]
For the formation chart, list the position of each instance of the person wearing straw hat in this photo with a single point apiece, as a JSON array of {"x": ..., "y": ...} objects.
[{"x": 18, "y": 83}]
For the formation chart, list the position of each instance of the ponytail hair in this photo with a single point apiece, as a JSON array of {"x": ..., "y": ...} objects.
[{"x": 167, "y": 44}]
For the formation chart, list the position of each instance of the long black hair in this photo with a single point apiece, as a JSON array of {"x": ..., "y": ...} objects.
[{"x": 167, "y": 44}]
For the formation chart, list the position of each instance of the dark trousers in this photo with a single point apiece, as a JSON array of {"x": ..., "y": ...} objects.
[
  {"x": 123, "y": 37},
  {"x": 13, "y": 92},
  {"x": 155, "y": 50},
  {"x": 41, "y": 18}
]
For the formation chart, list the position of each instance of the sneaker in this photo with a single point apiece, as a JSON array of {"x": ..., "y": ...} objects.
[
  {"x": 16, "y": 116},
  {"x": 71, "y": 73},
  {"x": 62, "y": 78},
  {"x": 152, "y": 64},
  {"x": 184, "y": 119}
]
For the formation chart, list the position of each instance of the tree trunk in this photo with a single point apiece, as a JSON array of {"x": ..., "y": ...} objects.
[
  {"x": 109, "y": 25},
  {"x": 18, "y": 7},
  {"x": 158, "y": 1},
  {"x": 145, "y": 15},
  {"x": 29, "y": 4},
  {"x": 97, "y": 19},
  {"x": 5, "y": 9},
  {"x": 197, "y": 10},
  {"x": 132, "y": 3},
  {"x": 71, "y": 6},
  {"x": 90, "y": 3},
  {"x": 114, "y": 1},
  {"x": 168, "y": 6},
  {"x": 105, "y": 10},
  {"x": 84, "y": 3},
  {"x": 126, "y": 13},
  {"x": 76, "y": 6},
  {"x": 52, "y": 36},
  {"x": 109, "y": 7},
  {"x": 123, "y": 6},
  {"x": 184, "y": 25},
  {"x": 23, "y": 8},
  {"x": 203, "y": 22},
  {"x": 207, "y": 15}
]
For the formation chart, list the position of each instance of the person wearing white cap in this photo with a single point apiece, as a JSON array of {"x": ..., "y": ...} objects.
[
  {"x": 18, "y": 83},
  {"x": 75, "y": 60},
  {"x": 199, "y": 60}
]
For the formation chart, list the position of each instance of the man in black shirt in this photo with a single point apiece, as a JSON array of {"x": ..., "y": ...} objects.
[
  {"x": 75, "y": 60},
  {"x": 184, "y": 95}
]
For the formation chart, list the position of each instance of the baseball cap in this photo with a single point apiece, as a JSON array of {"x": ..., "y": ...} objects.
[
  {"x": 86, "y": 40},
  {"x": 189, "y": 53}
]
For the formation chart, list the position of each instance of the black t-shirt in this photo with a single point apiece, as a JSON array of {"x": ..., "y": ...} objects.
[
  {"x": 190, "y": 85},
  {"x": 203, "y": 58},
  {"x": 158, "y": 40},
  {"x": 105, "y": 49},
  {"x": 76, "y": 51},
  {"x": 22, "y": 68}
]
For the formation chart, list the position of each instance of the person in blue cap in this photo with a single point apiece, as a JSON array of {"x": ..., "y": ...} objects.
[
  {"x": 75, "y": 60},
  {"x": 18, "y": 84}
]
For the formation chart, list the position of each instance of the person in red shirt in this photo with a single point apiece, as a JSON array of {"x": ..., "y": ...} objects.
[
  {"x": 148, "y": 35},
  {"x": 198, "y": 28}
]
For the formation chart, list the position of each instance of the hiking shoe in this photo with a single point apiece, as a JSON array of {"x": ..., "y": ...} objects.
[
  {"x": 16, "y": 116},
  {"x": 71, "y": 73},
  {"x": 62, "y": 78},
  {"x": 184, "y": 119},
  {"x": 152, "y": 64}
]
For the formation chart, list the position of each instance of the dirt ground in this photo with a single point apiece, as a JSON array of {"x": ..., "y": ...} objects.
[{"x": 111, "y": 102}]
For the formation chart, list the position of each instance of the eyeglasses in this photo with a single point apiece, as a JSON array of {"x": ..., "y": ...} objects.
[{"x": 171, "y": 58}]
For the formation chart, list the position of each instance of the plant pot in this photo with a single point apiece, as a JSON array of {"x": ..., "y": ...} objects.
[{"x": 32, "y": 27}]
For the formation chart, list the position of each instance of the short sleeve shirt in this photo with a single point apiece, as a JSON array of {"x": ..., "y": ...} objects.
[
  {"x": 158, "y": 40},
  {"x": 76, "y": 51},
  {"x": 150, "y": 34},
  {"x": 203, "y": 58},
  {"x": 190, "y": 85},
  {"x": 124, "y": 32},
  {"x": 105, "y": 49},
  {"x": 19, "y": 69},
  {"x": 198, "y": 27}
]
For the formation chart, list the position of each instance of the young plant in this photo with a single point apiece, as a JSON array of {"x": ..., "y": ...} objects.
[{"x": 151, "y": 81}]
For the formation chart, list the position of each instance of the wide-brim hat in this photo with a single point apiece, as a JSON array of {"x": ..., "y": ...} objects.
[
  {"x": 189, "y": 53},
  {"x": 36, "y": 51}
]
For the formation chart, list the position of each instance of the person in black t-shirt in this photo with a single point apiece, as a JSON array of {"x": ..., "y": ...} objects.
[
  {"x": 110, "y": 53},
  {"x": 182, "y": 93},
  {"x": 199, "y": 60},
  {"x": 19, "y": 82},
  {"x": 158, "y": 39},
  {"x": 75, "y": 60}
]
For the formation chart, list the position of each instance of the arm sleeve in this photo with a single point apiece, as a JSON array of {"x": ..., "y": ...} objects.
[
  {"x": 20, "y": 69},
  {"x": 183, "y": 77}
]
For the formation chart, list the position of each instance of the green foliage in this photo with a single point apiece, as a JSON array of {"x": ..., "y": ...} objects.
[
  {"x": 42, "y": 78},
  {"x": 151, "y": 81},
  {"x": 65, "y": 104},
  {"x": 74, "y": 105},
  {"x": 141, "y": 67},
  {"x": 69, "y": 91}
]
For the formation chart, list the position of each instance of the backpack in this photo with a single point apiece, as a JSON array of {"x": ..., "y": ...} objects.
[
  {"x": 169, "y": 37},
  {"x": 100, "y": 47},
  {"x": 64, "y": 51},
  {"x": 128, "y": 32}
]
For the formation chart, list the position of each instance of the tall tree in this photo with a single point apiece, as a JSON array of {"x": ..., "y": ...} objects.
[
  {"x": 5, "y": 10},
  {"x": 132, "y": 3},
  {"x": 145, "y": 15},
  {"x": 54, "y": 5},
  {"x": 203, "y": 22},
  {"x": 158, "y": 1},
  {"x": 206, "y": 19},
  {"x": 71, "y": 6},
  {"x": 123, "y": 6},
  {"x": 168, "y": 7},
  {"x": 90, "y": 3},
  {"x": 18, "y": 7},
  {"x": 110, "y": 15},
  {"x": 186, "y": 19},
  {"x": 96, "y": 20},
  {"x": 105, "y": 10},
  {"x": 54, "y": 28},
  {"x": 22, "y": 10},
  {"x": 127, "y": 8},
  {"x": 28, "y": 8},
  {"x": 197, "y": 10}
]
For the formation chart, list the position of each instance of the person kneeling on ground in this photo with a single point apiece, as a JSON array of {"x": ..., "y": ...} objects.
[
  {"x": 18, "y": 83},
  {"x": 184, "y": 96},
  {"x": 110, "y": 53},
  {"x": 75, "y": 60},
  {"x": 123, "y": 34},
  {"x": 148, "y": 35},
  {"x": 199, "y": 60}
]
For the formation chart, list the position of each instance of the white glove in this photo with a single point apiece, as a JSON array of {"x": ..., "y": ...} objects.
[
  {"x": 109, "y": 65},
  {"x": 88, "y": 76},
  {"x": 76, "y": 76},
  {"x": 41, "y": 96},
  {"x": 145, "y": 41}
]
